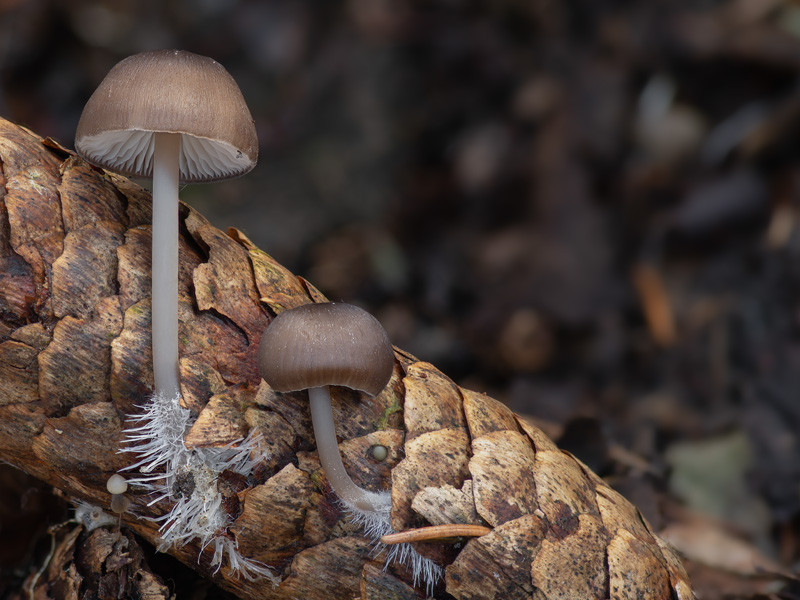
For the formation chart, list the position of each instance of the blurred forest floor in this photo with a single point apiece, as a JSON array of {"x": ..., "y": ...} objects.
[{"x": 587, "y": 209}]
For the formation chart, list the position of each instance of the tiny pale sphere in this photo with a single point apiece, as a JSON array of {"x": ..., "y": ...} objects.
[
  {"x": 380, "y": 453},
  {"x": 116, "y": 484}
]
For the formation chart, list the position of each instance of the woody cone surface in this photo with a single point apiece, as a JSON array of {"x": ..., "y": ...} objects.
[{"x": 74, "y": 360}]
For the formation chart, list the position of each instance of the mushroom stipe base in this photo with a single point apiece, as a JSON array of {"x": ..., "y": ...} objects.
[
  {"x": 376, "y": 524},
  {"x": 196, "y": 511}
]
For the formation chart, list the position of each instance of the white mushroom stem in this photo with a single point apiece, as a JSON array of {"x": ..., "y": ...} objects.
[
  {"x": 331, "y": 460},
  {"x": 166, "y": 174}
]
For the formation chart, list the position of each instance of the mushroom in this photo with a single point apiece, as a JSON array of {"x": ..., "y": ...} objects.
[
  {"x": 176, "y": 117},
  {"x": 315, "y": 346},
  {"x": 117, "y": 486},
  {"x": 379, "y": 453}
]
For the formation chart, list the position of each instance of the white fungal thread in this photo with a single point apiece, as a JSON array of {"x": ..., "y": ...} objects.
[
  {"x": 188, "y": 479},
  {"x": 378, "y": 523},
  {"x": 92, "y": 517}
]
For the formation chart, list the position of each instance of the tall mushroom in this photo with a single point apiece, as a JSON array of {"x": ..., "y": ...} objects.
[
  {"x": 317, "y": 345},
  {"x": 176, "y": 117}
]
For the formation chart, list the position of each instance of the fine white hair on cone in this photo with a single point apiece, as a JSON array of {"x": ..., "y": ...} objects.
[
  {"x": 376, "y": 524},
  {"x": 187, "y": 478},
  {"x": 92, "y": 517}
]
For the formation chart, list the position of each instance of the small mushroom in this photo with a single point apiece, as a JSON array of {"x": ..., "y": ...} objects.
[
  {"x": 379, "y": 453},
  {"x": 176, "y": 117},
  {"x": 117, "y": 486},
  {"x": 317, "y": 345}
]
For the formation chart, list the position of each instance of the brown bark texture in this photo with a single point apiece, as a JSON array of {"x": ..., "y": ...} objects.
[{"x": 75, "y": 360}]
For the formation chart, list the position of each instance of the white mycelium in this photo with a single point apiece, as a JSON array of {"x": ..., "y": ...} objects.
[
  {"x": 376, "y": 524},
  {"x": 187, "y": 478}
]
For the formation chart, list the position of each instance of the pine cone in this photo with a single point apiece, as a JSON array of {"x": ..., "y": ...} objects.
[{"x": 75, "y": 365}]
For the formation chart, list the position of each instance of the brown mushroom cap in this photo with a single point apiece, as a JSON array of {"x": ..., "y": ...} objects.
[
  {"x": 315, "y": 345},
  {"x": 169, "y": 91}
]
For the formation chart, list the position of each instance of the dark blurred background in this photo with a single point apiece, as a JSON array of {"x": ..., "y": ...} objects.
[{"x": 586, "y": 208}]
